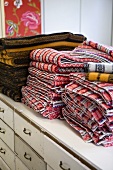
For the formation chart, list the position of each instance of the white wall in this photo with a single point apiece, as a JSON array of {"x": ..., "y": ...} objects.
[
  {"x": 62, "y": 15},
  {"x": 96, "y": 20},
  {"x": 93, "y": 18}
]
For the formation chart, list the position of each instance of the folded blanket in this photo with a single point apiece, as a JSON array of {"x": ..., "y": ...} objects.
[
  {"x": 105, "y": 90},
  {"x": 12, "y": 93},
  {"x": 49, "y": 78},
  {"x": 101, "y": 52},
  {"x": 62, "y": 59},
  {"x": 22, "y": 42},
  {"x": 102, "y": 77},
  {"x": 40, "y": 104},
  {"x": 86, "y": 111},
  {"x": 16, "y": 62},
  {"x": 52, "y": 68},
  {"x": 35, "y": 82},
  {"x": 98, "y": 67}
]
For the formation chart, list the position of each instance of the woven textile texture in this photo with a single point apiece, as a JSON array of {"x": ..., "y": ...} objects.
[
  {"x": 102, "y": 77},
  {"x": 98, "y": 67},
  {"x": 89, "y": 109}
]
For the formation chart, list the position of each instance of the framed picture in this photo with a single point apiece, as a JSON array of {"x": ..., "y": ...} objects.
[{"x": 22, "y": 17}]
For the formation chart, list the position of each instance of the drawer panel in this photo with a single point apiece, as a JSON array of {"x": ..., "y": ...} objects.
[
  {"x": 58, "y": 158},
  {"x": 7, "y": 155},
  {"x": 20, "y": 165},
  {"x": 7, "y": 135},
  {"x": 6, "y": 114},
  {"x": 29, "y": 133},
  {"x": 28, "y": 155},
  {"x": 3, "y": 165},
  {"x": 49, "y": 168}
]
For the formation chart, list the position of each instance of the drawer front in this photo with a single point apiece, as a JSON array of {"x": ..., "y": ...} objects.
[
  {"x": 49, "y": 168},
  {"x": 29, "y": 133},
  {"x": 6, "y": 114},
  {"x": 58, "y": 158},
  {"x": 7, "y": 133},
  {"x": 28, "y": 156},
  {"x": 3, "y": 165},
  {"x": 7, "y": 155},
  {"x": 19, "y": 164}
]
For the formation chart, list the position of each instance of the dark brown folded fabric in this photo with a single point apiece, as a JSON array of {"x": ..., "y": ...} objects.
[
  {"x": 11, "y": 71},
  {"x": 12, "y": 93},
  {"x": 21, "y": 42}
]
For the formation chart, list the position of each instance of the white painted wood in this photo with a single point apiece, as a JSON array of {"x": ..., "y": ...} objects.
[
  {"x": 28, "y": 156},
  {"x": 7, "y": 135},
  {"x": 58, "y": 158},
  {"x": 49, "y": 168},
  {"x": 98, "y": 156},
  {"x": 7, "y": 155},
  {"x": 6, "y": 114},
  {"x": 61, "y": 15},
  {"x": 96, "y": 20},
  {"x": 3, "y": 165},
  {"x": 20, "y": 165},
  {"x": 34, "y": 139}
]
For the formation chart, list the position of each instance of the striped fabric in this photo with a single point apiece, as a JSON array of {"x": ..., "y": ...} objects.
[
  {"x": 99, "y": 67},
  {"x": 49, "y": 78},
  {"x": 100, "y": 52},
  {"x": 40, "y": 103},
  {"x": 89, "y": 109},
  {"x": 102, "y": 77}
]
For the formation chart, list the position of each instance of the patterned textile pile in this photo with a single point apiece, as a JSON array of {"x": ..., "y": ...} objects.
[
  {"x": 15, "y": 51},
  {"x": 14, "y": 57},
  {"x": 89, "y": 109},
  {"x": 46, "y": 81},
  {"x": 88, "y": 97}
]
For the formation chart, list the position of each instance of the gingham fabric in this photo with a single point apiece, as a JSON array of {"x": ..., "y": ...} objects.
[
  {"x": 87, "y": 110},
  {"x": 98, "y": 67}
]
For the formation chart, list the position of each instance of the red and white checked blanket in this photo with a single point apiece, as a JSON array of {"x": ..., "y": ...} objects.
[{"x": 41, "y": 104}]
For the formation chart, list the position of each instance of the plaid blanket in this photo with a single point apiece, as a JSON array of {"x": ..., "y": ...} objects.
[{"x": 87, "y": 110}]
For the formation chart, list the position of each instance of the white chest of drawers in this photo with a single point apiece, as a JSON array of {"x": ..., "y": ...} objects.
[{"x": 51, "y": 144}]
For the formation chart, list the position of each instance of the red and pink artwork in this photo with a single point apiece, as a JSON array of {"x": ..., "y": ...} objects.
[{"x": 22, "y": 17}]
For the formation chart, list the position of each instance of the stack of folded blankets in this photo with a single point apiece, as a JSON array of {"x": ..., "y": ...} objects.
[
  {"x": 14, "y": 57},
  {"x": 88, "y": 97},
  {"x": 48, "y": 73}
]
